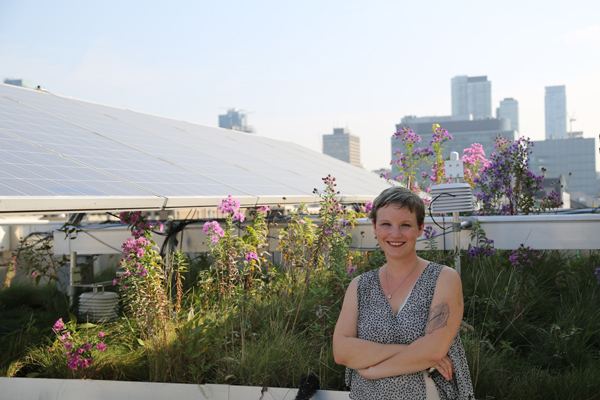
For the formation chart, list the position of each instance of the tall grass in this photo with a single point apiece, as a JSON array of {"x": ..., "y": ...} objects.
[{"x": 535, "y": 330}]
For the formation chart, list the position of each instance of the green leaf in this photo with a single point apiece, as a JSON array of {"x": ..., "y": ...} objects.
[
  {"x": 33, "y": 374},
  {"x": 86, "y": 325},
  {"x": 72, "y": 318},
  {"x": 141, "y": 342}
]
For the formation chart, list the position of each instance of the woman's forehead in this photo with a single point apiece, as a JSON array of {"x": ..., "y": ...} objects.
[{"x": 395, "y": 210}]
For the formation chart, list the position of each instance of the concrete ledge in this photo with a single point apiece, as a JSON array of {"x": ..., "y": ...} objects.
[{"x": 72, "y": 389}]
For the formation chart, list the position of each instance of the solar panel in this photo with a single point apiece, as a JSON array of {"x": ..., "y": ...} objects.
[
  {"x": 101, "y": 153},
  {"x": 88, "y": 149}
]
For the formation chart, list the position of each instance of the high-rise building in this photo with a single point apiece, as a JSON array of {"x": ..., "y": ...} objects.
[
  {"x": 472, "y": 95},
  {"x": 236, "y": 120},
  {"x": 19, "y": 82},
  {"x": 556, "y": 112},
  {"x": 509, "y": 109},
  {"x": 573, "y": 158},
  {"x": 342, "y": 145}
]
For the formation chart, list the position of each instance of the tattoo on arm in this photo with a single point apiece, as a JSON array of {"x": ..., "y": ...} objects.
[{"x": 438, "y": 317}]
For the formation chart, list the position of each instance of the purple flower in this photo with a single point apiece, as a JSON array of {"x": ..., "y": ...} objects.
[
  {"x": 351, "y": 269},
  {"x": 101, "y": 346},
  {"x": 238, "y": 217},
  {"x": 429, "y": 232},
  {"x": 369, "y": 206},
  {"x": 228, "y": 205},
  {"x": 68, "y": 345},
  {"x": 264, "y": 209},
  {"x": 58, "y": 325},
  {"x": 251, "y": 256},
  {"x": 124, "y": 288}
]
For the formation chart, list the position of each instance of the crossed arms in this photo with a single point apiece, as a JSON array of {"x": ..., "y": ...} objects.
[{"x": 375, "y": 360}]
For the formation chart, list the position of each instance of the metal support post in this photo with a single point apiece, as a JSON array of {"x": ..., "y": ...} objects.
[
  {"x": 456, "y": 235},
  {"x": 72, "y": 267}
]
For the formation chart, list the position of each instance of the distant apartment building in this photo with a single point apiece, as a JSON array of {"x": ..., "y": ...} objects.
[
  {"x": 509, "y": 109},
  {"x": 342, "y": 145},
  {"x": 236, "y": 120},
  {"x": 575, "y": 159},
  {"x": 19, "y": 82},
  {"x": 472, "y": 95},
  {"x": 556, "y": 112}
]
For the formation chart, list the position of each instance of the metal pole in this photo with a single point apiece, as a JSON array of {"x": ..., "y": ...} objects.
[
  {"x": 455, "y": 223},
  {"x": 71, "y": 272},
  {"x": 456, "y": 235}
]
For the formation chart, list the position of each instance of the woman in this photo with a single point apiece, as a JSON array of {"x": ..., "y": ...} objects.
[{"x": 402, "y": 319}]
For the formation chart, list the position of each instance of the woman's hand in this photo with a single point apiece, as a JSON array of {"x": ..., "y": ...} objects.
[{"x": 445, "y": 367}]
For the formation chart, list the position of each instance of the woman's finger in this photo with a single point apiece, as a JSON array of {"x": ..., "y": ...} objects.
[{"x": 446, "y": 367}]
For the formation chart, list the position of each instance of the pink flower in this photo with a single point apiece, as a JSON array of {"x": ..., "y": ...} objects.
[
  {"x": 214, "y": 238},
  {"x": 124, "y": 288},
  {"x": 238, "y": 216},
  {"x": 65, "y": 336},
  {"x": 58, "y": 325},
  {"x": 68, "y": 345},
  {"x": 351, "y": 269},
  {"x": 101, "y": 334},
  {"x": 264, "y": 209},
  {"x": 101, "y": 347},
  {"x": 228, "y": 205},
  {"x": 251, "y": 256}
]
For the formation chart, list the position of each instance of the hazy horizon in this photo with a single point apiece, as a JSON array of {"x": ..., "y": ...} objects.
[{"x": 303, "y": 70}]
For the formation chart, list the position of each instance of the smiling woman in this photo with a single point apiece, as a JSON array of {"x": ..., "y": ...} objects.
[{"x": 397, "y": 332}]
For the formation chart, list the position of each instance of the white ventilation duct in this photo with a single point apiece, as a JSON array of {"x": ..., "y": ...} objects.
[
  {"x": 99, "y": 306},
  {"x": 451, "y": 197}
]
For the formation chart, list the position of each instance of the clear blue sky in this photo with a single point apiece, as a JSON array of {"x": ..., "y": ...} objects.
[{"x": 304, "y": 68}]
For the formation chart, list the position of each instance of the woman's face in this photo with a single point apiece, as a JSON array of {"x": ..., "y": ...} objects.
[{"x": 397, "y": 231}]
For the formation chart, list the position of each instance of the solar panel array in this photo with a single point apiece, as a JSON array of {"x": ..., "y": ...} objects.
[{"x": 62, "y": 154}]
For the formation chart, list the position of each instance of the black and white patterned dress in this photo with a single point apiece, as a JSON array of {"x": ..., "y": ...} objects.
[{"x": 377, "y": 323}]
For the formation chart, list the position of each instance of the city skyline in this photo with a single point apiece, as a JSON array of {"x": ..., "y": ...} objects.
[{"x": 313, "y": 70}]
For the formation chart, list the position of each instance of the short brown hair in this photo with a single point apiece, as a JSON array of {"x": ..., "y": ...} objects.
[{"x": 402, "y": 197}]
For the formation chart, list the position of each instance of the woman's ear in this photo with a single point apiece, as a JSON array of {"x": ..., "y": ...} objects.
[
  {"x": 374, "y": 228},
  {"x": 421, "y": 229}
]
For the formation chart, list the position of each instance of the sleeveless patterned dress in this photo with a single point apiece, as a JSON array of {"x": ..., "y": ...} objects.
[{"x": 377, "y": 323}]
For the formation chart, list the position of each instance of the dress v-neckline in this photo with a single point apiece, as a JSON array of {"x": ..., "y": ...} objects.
[{"x": 407, "y": 297}]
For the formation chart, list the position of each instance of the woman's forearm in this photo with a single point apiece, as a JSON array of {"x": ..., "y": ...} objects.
[
  {"x": 415, "y": 357},
  {"x": 359, "y": 353}
]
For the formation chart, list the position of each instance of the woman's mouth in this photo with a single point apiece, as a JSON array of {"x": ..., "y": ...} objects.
[{"x": 396, "y": 244}]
